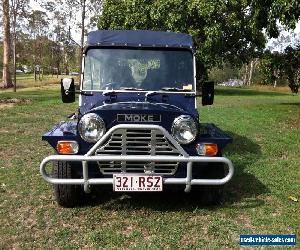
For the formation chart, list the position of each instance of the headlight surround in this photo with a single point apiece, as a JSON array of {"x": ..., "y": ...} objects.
[
  {"x": 184, "y": 129},
  {"x": 91, "y": 127}
]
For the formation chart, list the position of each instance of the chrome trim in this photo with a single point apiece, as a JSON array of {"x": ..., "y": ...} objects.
[
  {"x": 140, "y": 91},
  {"x": 141, "y": 118},
  {"x": 89, "y": 117},
  {"x": 195, "y": 79},
  {"x": 90, "y": 157},
  {"x": 177, "y": 121},
  {"x": 144, "y": 142}
]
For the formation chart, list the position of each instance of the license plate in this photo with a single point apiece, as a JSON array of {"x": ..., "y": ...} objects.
[{"x": 137, "y": 183}]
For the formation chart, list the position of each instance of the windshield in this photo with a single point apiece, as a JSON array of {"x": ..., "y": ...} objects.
[{"x": 138, "y": 69}]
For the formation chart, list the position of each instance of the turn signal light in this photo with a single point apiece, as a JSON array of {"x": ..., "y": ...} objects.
[
  {"x": 67, "y": 147},
  {"x": 207, "y": 149}
]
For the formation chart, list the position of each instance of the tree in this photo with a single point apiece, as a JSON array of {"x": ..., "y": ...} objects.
[
  {"x": 38, "y": 25},
  {"x": 86, "y": 8},
  {"x": 7, "y": 83},
  {"x": 291, "y": 66},
  {"x": 271, "y": 66},
  {"x": 248, "y": 70},
  {"x": 275, "y": 65},
  {"x": 17, "y": 10},
  {"x": 269, "y": 14},
  {"x": 222, "y": 31}
]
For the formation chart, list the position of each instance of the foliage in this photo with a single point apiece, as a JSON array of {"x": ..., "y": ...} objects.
[
  {"x": 271, "y": 66},
  {"x": 275, "y": 65},
  {"x": 229, "y": 31},
  {"x": 224, "y": 72},
  {"x": 220, "y": 30},
  {"x": 292, "y": 64},
  {"x": 268, "y": 13}
]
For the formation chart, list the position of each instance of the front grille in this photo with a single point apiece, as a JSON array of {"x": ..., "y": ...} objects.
[{"x": 138, "y": 142}]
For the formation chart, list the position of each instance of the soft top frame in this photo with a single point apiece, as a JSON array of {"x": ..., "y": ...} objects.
[{"x": 138, "y": 38}]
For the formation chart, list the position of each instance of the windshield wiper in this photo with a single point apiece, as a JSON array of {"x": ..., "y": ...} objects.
[
  {"x": 171, "y": 89},
  {"x": 151, "y": 93},
  {"x": 109, "y": 92},
  {"x": 175, "y": 89},
  {"x": 85, "y": 93},
  {"x": 131, "y": 88},
  {"x": 80, "y": 92}
]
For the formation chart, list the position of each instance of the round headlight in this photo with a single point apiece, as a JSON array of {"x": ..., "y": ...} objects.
[
  {"x": 91, "y": 127},
  {"x": 184, "y": 129}
]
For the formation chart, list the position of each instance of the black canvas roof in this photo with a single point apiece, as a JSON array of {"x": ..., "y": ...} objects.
[{"x": 139, "y": 38}]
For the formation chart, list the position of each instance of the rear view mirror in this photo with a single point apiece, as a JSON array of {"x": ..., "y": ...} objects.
[
  {"x": 67, "y": 88},
  {"x": 208, "y": 92}
]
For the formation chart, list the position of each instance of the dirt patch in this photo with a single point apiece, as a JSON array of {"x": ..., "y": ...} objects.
[
  {"x": 11, "y": 102},
  {"x": 6, "y": 105}
]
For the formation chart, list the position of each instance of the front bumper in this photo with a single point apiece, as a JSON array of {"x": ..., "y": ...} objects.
[{"x": 90, "y": 156}]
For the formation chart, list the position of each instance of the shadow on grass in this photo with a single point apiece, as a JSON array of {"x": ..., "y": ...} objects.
[
  {"x": 290, "y": 104},
  {"x": 240, "y": 192},
  {"x": 244, "y": 187},
  {"x": 245, "y": 92}
]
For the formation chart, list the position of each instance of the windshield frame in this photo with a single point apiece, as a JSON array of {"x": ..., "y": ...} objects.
[{"x": 193, "y": 91}]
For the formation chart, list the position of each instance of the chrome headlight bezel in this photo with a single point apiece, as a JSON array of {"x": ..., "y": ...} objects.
[
  {"x": 84, "y": 127},
  {"x": 188, "y": 122}
]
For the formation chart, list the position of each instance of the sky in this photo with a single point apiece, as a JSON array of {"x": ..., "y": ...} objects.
[
  {"x": 276, "y": 43},
  {"x": 271, "y": 42}
]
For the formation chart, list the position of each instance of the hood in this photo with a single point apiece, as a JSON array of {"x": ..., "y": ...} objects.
[
  {"x": 140, "y": 106},
  {"x": 179, "y": 101},
  {"x": 139, "y": 112}
]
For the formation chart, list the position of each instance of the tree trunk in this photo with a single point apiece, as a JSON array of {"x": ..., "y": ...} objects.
[
  {"x": 34, "y": 72},
  {"x": 66, "y": 62},
  {"x": 245, "y": 74},
  {"x": 276, "y": 74},
  {"x": 251, "y": 72},
  {"x": 7, "y": 83},
  {"x": 14, "y": 47}
]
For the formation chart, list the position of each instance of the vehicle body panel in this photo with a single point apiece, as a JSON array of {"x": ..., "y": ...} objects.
[{"x": 109, "y": 104}]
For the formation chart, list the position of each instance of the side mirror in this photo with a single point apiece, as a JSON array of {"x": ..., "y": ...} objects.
[
  {"x": 208, "y": 92},
  {"x": 67, "y": 89}
]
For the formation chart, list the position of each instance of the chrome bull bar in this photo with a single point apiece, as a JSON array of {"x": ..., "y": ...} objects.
[
  {"x": 89, "y": 157},
  {"x": 86, "y": 181}
]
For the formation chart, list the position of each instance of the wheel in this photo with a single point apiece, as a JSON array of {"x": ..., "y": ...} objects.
[
  {"x": 209, "y": 194},
  {"x": 213, "y": 194},
  {"x": 65, "y": 195}
]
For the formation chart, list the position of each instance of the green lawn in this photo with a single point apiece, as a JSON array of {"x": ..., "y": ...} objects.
[
  {"x": 27, "y": 80},
  {"x": 265, "y": 152}
]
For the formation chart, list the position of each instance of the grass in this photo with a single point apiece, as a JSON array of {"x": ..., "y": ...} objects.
[
  {"x": 27, "y": 80},
  {"x": 265, "y": 152}
]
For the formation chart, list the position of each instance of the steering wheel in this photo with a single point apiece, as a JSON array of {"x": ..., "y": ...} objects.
[{"x": 110, "y": 85}]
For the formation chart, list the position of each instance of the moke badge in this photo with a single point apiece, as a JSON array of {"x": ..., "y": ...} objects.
[{"x": 138, "y": 118}]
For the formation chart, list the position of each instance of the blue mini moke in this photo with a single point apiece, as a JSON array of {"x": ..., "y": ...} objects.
[{"x": 137, "y": 127}]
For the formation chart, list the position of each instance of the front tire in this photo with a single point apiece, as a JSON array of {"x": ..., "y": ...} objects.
[
  {"x": 213, "y": 194},
  {"x": 65, "y": 195},
  {"x": 209, "y": 194}
]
